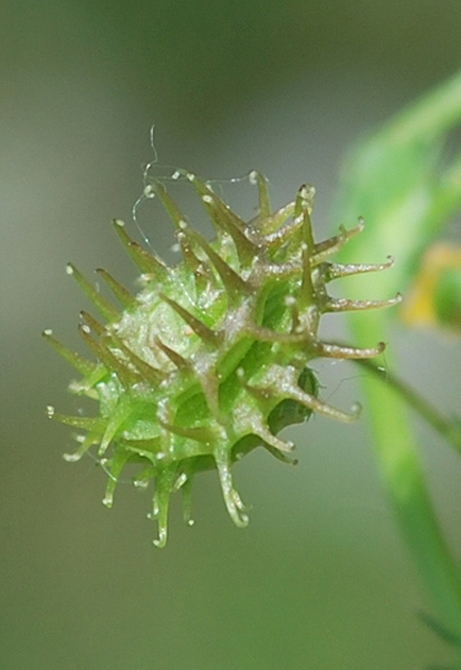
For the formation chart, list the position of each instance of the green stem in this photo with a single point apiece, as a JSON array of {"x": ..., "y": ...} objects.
[
  {"x": 395, "y": 180},
  {"x": 401, "y": 469},
  {"x": 446, "y": 427}
]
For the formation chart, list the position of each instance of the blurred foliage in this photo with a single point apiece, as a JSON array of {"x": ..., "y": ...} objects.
[
  {"x": 434, "y": 296},
  {"x": 402, "y": 184},
  {"x": 408, "y": 191},
  {"x": 284, "y": 87}
]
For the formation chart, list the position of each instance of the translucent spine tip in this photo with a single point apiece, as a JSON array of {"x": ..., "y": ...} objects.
[
  {"x": 146, "y": 262},
  {"x": 108, "y": 311}
]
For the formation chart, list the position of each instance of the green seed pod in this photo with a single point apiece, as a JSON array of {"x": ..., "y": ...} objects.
[{"x": 211, "y": 358}]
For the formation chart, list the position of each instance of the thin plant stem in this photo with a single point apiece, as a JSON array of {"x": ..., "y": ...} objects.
[
  {"x": 447, "y": 427},
  {"x": 401, "y": 469}
]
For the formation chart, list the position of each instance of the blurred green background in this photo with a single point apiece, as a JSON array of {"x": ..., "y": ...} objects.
[{"x": 320, "y": 579}]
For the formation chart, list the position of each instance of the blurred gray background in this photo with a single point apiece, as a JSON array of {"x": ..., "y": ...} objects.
[{"x": 320, "y": 579}]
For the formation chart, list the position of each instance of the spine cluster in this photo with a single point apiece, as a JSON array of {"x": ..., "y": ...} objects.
[{"x": 211, "y": 358}]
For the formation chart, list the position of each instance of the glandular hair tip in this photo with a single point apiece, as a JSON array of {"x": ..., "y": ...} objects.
[
  {"x": 71, "y": 458},
  {"x": 107, "y": 501},
  {"x": 356, "y": 409}
]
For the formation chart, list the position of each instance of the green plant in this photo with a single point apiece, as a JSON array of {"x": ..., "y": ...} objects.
[
  {"x": 211, "y": 359},
  {"x": 402, "y": 181}
]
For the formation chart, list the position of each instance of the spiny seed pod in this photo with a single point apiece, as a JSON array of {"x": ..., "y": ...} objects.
[{"x": 211, "y": 358}]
